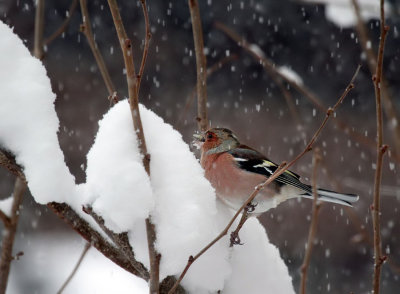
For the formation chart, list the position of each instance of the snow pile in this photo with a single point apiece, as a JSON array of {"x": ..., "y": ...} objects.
[
  {"x": 47, "y": 252},
  {"x": 179, "y": 200},
  {"x": 257, "y": 265},
  {"x": 117, "y": 184},
  {"x": 29, "y": 123},
  {"x": 341, "y": 12}
]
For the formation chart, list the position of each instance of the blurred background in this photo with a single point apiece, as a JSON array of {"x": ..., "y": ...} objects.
[{"x": 318, "y": 40}]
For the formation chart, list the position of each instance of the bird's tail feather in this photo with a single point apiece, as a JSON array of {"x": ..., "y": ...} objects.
[{"x": 334, "y": 197}]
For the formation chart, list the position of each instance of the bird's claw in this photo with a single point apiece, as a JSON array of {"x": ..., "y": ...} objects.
[
  {"x": 235, "y": 240},
  {"x": 250, "y": 207}
]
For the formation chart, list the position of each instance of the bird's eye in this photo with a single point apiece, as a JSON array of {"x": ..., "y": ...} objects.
[{"x": 209, "y": 136}]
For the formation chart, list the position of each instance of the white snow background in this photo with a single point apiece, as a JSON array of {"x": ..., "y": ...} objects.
[{"x": 179, "y": 200}]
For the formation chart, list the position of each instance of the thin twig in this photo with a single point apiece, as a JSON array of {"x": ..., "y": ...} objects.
[
  {"x": 313, "y": 225},
  {"x": 76, "y": 267},
  {"x": 281, "y": 169},
  {"x": 201, "y": 65},
  {"x": 10, "y": 230},
  {"x": 64, "y": 25},
  {"x": 380, "y": 149},
  {"x": 388, "y": 106},
  {"x": 126, "y": 47},
  {"x": 120, "y": 240},
  {"x": 86, "y": 29},
  {"x": 39, "y": 25},
  {"x": 146, "y": 45}
]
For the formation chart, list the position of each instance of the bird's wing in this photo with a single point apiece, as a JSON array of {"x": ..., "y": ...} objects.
[{"x": 253, "y": 161}]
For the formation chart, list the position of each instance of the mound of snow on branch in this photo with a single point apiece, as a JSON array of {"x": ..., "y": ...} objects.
[
  {"x": 185, "y": 212},
  {"x": 29, "y": 123},
  {"x": 117, "y": 184}
]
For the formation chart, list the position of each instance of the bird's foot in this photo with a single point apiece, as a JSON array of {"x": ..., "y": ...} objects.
[
  {"x": 250, "y": 207},
  {"x": 235, "y": 240}
]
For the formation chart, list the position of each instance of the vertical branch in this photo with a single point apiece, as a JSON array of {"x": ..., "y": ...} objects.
[
  {"x": 313, "y": 226},
  {"x": 381, "y": 149},
  {"x": 146, "y": 44},
  {"x": 126, "y": 47},
  {"x": 201, "y": 66},
  {"x": 388, "y": 106},
  {"x": 86, "y": 29},
  {"x": 9, "y": 234},
  {"x": 39, "y": 24}
]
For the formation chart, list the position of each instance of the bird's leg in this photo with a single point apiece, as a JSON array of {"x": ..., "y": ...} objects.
[{"x": 235, "y": 240}]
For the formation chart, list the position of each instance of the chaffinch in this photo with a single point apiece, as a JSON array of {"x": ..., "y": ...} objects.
[{"x": 234, "y": 170}]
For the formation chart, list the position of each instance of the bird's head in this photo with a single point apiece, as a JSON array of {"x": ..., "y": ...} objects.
[{"x": 216, "y": 140}]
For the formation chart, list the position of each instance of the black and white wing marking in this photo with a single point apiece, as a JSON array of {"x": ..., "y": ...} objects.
[{"x": 253, "y": 161}]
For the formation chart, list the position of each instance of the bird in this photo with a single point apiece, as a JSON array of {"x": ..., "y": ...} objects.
[{"x": 235, "y": 170}]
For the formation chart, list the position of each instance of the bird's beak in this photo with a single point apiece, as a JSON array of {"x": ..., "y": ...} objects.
[
  {"x": 198, "y": 140},
  {"x": 199, "y": 137}
]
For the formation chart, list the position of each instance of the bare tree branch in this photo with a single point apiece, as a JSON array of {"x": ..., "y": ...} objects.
[
  {"x": 75, "y": 269},
  {"x": 146, "y": 45},
  {"x": 281, "y": 169},
  {"x": 86, "y": 29},
  {"x": 380, "y": 149},
  {"x": 39, "y": 25},
  {"x": 8, "y": 161},
  {"x": 388, "y": 106},
  {"x": 201, "y": 66},
  {"x": 313, "y": 225},
  {"x": 64, "y": 25},
  {"x": 126, "y": 48},
  {"x": 10, "y": 230}
]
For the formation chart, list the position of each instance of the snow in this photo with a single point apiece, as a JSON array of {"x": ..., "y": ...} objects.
[
  {"x": 341, "y": 12},
  {"x": 46, "y": 252},
  {"x": 177, "y": 197},
  {"x": 257, "y": 50},
  {"x": 257, "y": 265},
  {"x": 29, "y": 123},
  {"x": 116, "y": 180},
  {"x": 290, "y": 74},
  {"x": 6, "y": 205}
]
